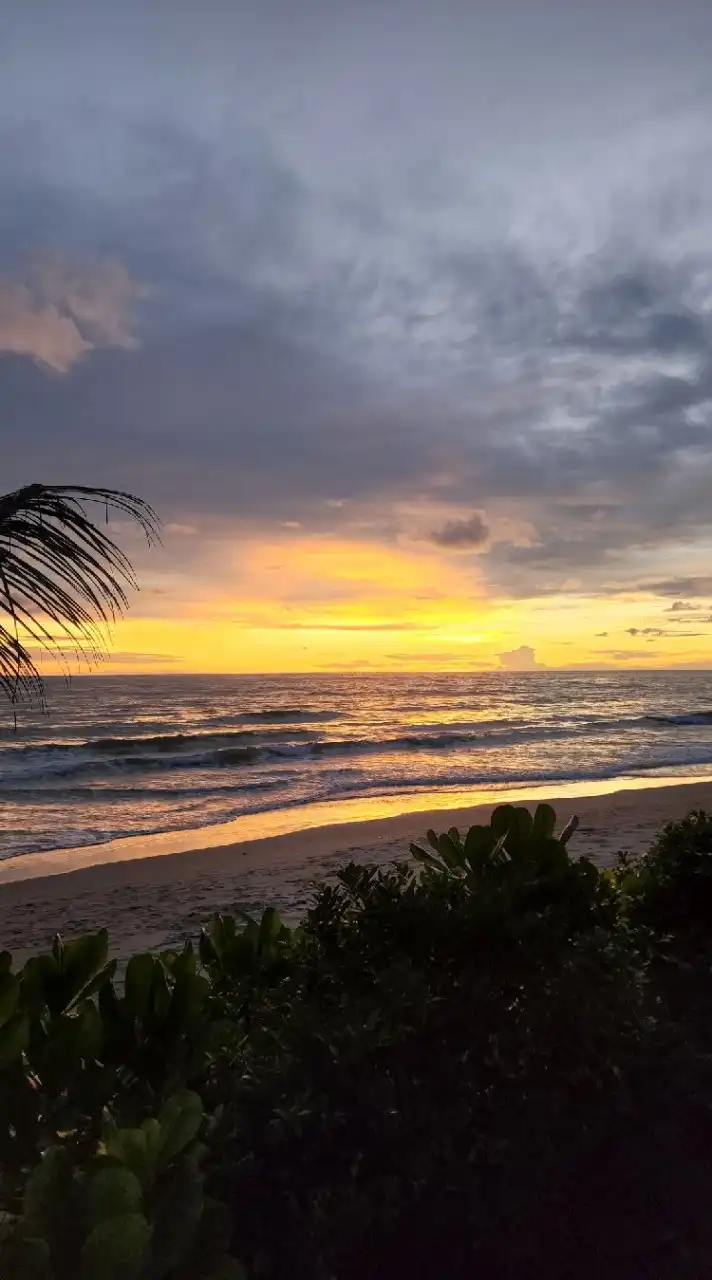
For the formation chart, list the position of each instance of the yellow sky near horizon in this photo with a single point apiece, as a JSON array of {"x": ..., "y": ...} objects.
[{"x": 311, "y": 604}]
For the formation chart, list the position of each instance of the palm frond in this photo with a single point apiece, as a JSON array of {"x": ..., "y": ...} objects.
[{"x": 59, "y": 569}]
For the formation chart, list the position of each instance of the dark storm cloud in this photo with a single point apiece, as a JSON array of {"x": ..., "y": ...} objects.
[
  {"x": 701, "y": 586},
  {"x": 640, "y": 312},
  {"x": 338, "y": 303},
  {"x": 461, "y": 535}
]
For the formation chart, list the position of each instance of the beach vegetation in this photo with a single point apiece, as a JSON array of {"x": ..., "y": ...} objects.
[{"x": 491, "y": 1059}]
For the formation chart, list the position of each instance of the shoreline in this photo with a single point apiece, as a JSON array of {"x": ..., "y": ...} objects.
[
  {"x": 157, "y": 900},
  {"x": 361, "y": 811}
]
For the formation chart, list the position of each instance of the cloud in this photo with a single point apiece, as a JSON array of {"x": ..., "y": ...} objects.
[
  {"x": 346, "y": 626},
  {"x": 660, "y": 631},
  {"x": 699, "y": 586},
  {"x": 355, "y": 664},
  {"x": 680, "y": 606},
  {"x": 99, "y": 297},
  {"x": 29, "y": 328},
  {"x": 629, "y": 655},
  {"x": 461, "y": 535},
  {"x": 121, "y": 656},
  {"x": 440, "y": 658},
  {"x": 521, "y": 659},
  {"x": 146, "y": 659},
  {"x": 65, "y": 311},
  {"x": 631, "y": 313},
  {"x": 343, "y": 310}
]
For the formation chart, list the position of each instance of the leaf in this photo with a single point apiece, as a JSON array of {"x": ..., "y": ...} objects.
[
  {"x": 499, "y": 849},
  {"x": 180, "y": 963},
  {"x": 552, "y": 854},
  {"x": 90, "y": 1031},
  {"x": 44, "y": 1191},
  {"x": 61, "y": 577},
  {"x": 137, "y": 984},
  {"x": 113, "y": 1191},
  {"x": 502, "y": 820},
  {"x": 9, "y": 994},
  {"x": 521, "y": 828},
  {"x": 189, "y": 996},
  {"x": 150, "y": 1131},
  {"x": 74, "y": 1037},
  {"x": 216, "y": 1229},
  {"x": 250, "y": 933},
  {"x": 160, "y": 1001},
  {"x": 222, "y": 932},
  {"x": 568, "y": 831},
  {"x": 186, "y": 960},
  {"x": 478, "y": 845},
  {"x": 83, "y": 958},
  {"x": 433, "y": 840},
  {"x": 270, "y": 926},
  {"x": 451, "y": 855},
  {"x": 228, "y": 1269},
  {"x": 180, "y": 1122},
  {"x": 117, "y": 1248},
  {"x": 544, "y": 822},
  {"x": 5, "y": 962},
  {"x": 206, "y": 949},
  {"x": 176, "y": 1215},
  {"x": 110, "y": 1007},
  {"x": 136, "y": 1148},
  {"x": 27, "y": 1258},
  {"x": 14, "y": 1039},
  {"x": 422, "y": 855},
  {"x": 100, "y": 979},
  {"x": 39, "y": 979}
]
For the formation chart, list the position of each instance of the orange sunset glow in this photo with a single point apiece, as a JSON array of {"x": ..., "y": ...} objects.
[{"x": 324, "y": 604}]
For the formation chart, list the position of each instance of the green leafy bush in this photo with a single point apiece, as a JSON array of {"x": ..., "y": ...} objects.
[
  {"x": 133, "y": 1209},
  {"x": 670, "y": 888},
  {"x": 412, "y": 1082},
  {"x": 437, "y": 1011},
  {"x": 92, "y": 1073},
  {"x": 72, "y": 1047}
]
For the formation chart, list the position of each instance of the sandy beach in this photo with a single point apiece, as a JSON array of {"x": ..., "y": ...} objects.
[{"x": 154, "y": 901}]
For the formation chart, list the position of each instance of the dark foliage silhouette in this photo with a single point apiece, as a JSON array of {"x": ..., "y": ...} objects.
[{"x": 63, "y": 580}]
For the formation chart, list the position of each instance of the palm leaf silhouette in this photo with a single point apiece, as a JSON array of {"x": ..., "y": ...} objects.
[{"x": 63, "y": 581}]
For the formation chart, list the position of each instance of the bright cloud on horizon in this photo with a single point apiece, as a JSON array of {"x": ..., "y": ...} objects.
[{"x": 403, "y": 326}]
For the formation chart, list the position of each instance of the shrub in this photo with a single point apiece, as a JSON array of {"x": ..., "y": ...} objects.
[
  {"x": 410, "y": 1083},
  {"x": 71, "y": 1047},
  {"x": 133, "y": 1208},
  {"x": 418, "y": 1072},
  {"x": 670, "y": 888}
]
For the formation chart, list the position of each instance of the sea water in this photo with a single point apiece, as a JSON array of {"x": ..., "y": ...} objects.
[{"x": 118, "y": 756}]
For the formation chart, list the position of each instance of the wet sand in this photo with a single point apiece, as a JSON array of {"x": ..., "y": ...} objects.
[{"x": 150, "y": 902}]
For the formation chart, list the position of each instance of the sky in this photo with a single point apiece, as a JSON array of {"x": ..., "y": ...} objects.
[{"x": 399, "y": 314}]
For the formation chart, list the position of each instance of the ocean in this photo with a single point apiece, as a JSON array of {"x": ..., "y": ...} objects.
[{"x": 119, "y": 756}]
